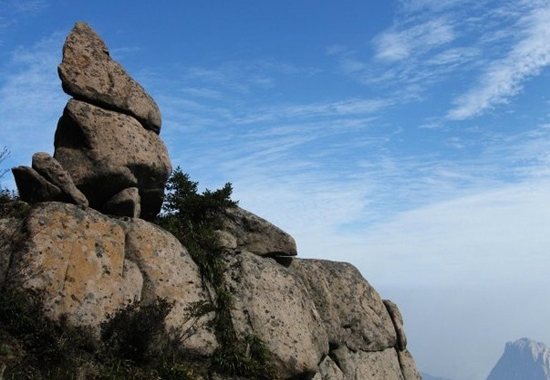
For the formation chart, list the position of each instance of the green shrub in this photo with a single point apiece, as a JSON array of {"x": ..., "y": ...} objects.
[
  {"x": 11, "y": 206},
  {"x": 48, "y": 349},
  {"x": 194, "y": 218},
  {"x": 135, "y": 332}
]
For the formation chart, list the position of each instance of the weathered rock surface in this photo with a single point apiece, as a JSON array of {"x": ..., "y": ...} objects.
[
  {"x": 75, "y": 257},
  {"x": 397, "y": 320},
  {"x": 49, "y": 168},
  {"x": 328, "y": 370},
  {"x": 171, "y": 274},
  {"x": 271, "y": 302},
  {"x": 352, "y": 311},
  {"x": 11, "y": 240},
  {"x": 257, "y": 235},
  {"x": 319, "y": 319},
  {"x": 363, "y": 365},
  {"x": 125, "y": 203},
  {"x": 408, "y": 366},
  {"x": 33, "y": 187},
  {"x": 89, "y": 265},
  {"x": 106, "y": 152},
  {"x": 89, "y": 73}
]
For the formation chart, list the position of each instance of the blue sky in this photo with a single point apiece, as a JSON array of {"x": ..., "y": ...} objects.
[{"x": 408, "y": 137}]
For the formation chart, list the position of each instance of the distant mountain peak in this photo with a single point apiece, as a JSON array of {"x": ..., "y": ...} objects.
[{"x": 524, "y": 359}]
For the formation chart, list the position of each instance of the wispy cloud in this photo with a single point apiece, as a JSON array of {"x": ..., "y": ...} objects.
[
  {"x": 23, "y": 6},
  {"x": 504, "y": 78},
  {"x": 244, "y": 77},
  {"x": 351, "y": 107},
  {"x": 501, "y": 43},
  {"x": 31, "y": 99},
  {"x": 396, "y": 45},
  {"x": 11, "y": 12},
  {"x": 27, "y": 6}
]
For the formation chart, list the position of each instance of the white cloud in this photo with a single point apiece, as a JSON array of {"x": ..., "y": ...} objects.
[
  {"x": 396, "y": 45},
  {"x": 31, "y": 99},
  {"x": 433, "y": 5},
  {"x": 504, "y": 78},
  {"x": 23, "y": 6},
  {"x": 11, "y": 12},
  {"x": 348, "y": 107}
]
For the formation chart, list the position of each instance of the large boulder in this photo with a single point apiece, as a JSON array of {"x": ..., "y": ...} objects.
[
  {"x": 170, "y": 273},
  {"x": 271, "y": 302},
  {"x": 352, "y": 311},
  {"x": 89, "y": 73},
  {"x": 106, "y": 152},
  {"x": 75, "y": 258},
  {"x": 87, "y": 265},
  {"x": 33, "y": 187},
  {"x": 255, "y": 234}
]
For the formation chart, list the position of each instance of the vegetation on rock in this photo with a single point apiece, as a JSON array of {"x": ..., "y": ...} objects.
[
  {"x": 194, "y": 218},
  {"x": 133, "y": 342}
]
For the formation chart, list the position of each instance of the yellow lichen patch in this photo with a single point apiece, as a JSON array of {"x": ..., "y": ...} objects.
[{"x": 76, "y": 256}]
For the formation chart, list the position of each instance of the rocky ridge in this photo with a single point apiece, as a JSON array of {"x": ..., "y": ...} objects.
[{"x": 86, "y": 250}]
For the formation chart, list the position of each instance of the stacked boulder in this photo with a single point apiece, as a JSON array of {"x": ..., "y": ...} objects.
[
  {"x": 320, "y": 320},
  {"x": 108, "y": 154}
]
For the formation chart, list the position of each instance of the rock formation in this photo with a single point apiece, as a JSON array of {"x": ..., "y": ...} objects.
[
  {"x": 89, "y": 74},
  {"x": 106, "y": 143},
  {"x": 319, "y": 319},
  {"x": 523, "y": 359}
]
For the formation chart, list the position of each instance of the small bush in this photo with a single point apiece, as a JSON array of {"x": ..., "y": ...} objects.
[
  {"x": 11, "y": 206},
  {"x": 194, "y": 218},
  {"x": 135, "y": 332},
  {"x": 48, "y": 349}
]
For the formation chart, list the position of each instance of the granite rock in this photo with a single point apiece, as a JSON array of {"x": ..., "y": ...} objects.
[
  {"x": 89, "y": 73},
  {"x": 49, "y": 168},
  {"x": 106, "y": 152}
]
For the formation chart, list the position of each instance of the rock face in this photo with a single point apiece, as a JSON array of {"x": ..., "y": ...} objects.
[
  {"x": 52, "y": 171},
  {"x": 88, "y": 265},
  {"x": 363, "y": 334},
  {"x": 83, "y": 248},
  {"x": 523, "y": 359},
  {"x": 106, "y": 143},
  {"x": 352, "y": 311},
  {"x": 33, "y": 187},
  {"x": 169, "y": 273},
  {"x": 76, "y": 258},
  {"x": 256, "y": 235},
  {"x": 106, "y": 152},
  {"x": 319, "y": 319},
  {"x": 88, "y": 73},
  {"x": 271, "y": 301}
]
